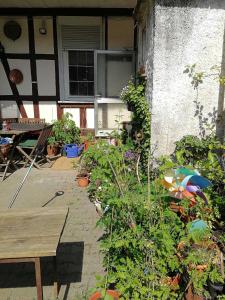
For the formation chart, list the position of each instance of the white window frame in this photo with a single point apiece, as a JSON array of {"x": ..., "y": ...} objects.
[{"x": 64, "y": 69}]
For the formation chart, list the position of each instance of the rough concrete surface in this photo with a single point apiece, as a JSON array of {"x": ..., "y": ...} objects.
[
  {"x": 78, "y": 257},
  {"x": 181, "y": 33}
]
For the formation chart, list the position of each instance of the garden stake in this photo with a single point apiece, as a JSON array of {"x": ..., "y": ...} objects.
[
  {"x": 108, "y": 262},
  {"x": 114, "y": 173},
  {"x": 137, "y": 167}
]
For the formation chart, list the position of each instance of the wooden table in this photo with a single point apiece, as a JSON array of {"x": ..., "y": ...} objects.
[
  {"x": 28, "y": 235},
  {"x": 20, "y": 128}
]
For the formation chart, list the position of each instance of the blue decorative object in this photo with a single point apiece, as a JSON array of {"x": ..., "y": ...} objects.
[
  {"x": 72, "y": 150},
  {"x": 198, "y": 225}
]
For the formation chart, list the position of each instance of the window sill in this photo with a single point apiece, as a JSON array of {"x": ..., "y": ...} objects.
[{"x": 78, "y": 100}]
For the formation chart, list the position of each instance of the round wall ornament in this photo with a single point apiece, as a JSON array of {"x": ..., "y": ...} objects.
[
  {"x": 16, "y": 76},
  {"x": 12, "y": 30}
]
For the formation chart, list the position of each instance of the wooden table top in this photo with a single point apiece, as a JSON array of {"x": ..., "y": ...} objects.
[
  {"x": 13, "y": 132},
  {"x": 20, "y": 128},
  {"x": 32, "y": 232}
]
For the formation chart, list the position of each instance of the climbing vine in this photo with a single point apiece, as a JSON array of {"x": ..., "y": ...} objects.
[{"x": 134, "y": 96}]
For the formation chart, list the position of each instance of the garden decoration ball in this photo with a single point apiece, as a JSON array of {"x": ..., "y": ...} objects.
[
  {"x": 16, "y": 76},
  {"x": 185, "y": 183},
  {"x": 198, "y": 225}
]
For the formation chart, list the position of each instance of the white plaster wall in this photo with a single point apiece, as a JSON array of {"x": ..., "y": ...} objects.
[
  {"x": 120, "y": 33},
  {"x": 20, "y": 45},
  {"x": 115, "y": 112},
  {"x": 43, "y": 42},
  {"x": 75, "y": 112},
  {"x": 90, "y": 118},
  {"x": 183, "y": 35},
  {"x": 4, "y": 84},
  {"x": 46, "y": 77},
  {"x": 25, "y": 87},
  {"x": 48, "y": 111},
  {"x": 29, "y": 108},
  {"x": 9, "y": 109}
]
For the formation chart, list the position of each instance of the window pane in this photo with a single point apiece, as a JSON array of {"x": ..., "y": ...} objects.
[
  {"x": 81, "y": 73},
  {"x": 82, "y": 58},
  {"x": 113, "y": 72},
  {"x": 90, "y": 74},
  {"x": 83, "y": 88},
  {"x": 90, "y": 58},
  {"x": 73, "y": 73},
  {"x": 90, "y": 88},
  {"x": 73, "y": 88},
  {"x": 73, "y": 58}
]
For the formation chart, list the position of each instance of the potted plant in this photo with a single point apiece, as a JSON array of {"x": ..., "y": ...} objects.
[
  {"x": 107, "y": 295},
  {"x": 88, "y": 141},
  {"x": 83, "y": 179},
  {"x": 52, "y": 147},
  {"x": 65, "y": 130}
]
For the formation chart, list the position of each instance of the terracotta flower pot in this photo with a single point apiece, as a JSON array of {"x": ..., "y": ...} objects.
[
  {"x": 52, "y": 150},
  {"x": 99, "y": 295},
  {"x": 191, "y": 296},
  {"x": 82, "y": 180},
  {"x": 87, "y": 144},
  {"x": 5, "y": 149},
  {"x": 172, "y": 282},
  {"x": 177, "y": 208}
]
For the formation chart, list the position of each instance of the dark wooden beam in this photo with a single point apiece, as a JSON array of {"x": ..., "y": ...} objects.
[
  {"x": 13, "y": 86},
  {"x": 83, "y": 118},
  {"x": 36, "y": 109},
  {"x": 27, "y": 98},
  {"x": 28, "y": 56},
  {"x": 66, "y": 11},
  {"x": 55, "y": 39},
  {"x": 33, "y": 66}
]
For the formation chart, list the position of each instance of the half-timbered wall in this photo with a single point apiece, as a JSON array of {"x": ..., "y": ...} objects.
[{"x": 37, "y": 56}]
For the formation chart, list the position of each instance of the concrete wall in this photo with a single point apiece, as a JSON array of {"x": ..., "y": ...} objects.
[{"x": 183, "y": 34}]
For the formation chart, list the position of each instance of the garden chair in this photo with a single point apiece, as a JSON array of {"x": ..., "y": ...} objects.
[
  {"x": 36, "y": 147},
  {"x": 4, "y": 164},
  {"x": 6, "y": 161}
]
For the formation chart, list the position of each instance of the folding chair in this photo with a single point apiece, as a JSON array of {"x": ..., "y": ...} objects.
[
  {"x": 37, "y": 147},
  {"x": 6, "y": 161}
]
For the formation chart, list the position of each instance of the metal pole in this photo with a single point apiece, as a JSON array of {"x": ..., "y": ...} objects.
[{"x": 21, "y": 184}]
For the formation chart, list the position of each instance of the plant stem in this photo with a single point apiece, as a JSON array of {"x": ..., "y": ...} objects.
[{"x": 117, "y": 182}]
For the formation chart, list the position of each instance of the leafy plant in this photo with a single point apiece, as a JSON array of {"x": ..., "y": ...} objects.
[
  {"x": 142, "y": 235},
  {"x": 134, "y": 96},
  {"x": 65, "y": 131}
]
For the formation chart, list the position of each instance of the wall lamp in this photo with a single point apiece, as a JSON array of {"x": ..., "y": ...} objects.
[{"x": 42, "y": 29}]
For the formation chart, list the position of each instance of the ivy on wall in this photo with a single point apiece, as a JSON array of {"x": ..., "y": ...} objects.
[{"x": 134, "y": 96}]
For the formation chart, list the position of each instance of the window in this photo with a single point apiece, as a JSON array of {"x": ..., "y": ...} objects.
[
  {"x": 114, "y": 70},
  {"x": 81, "y": 73}
]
